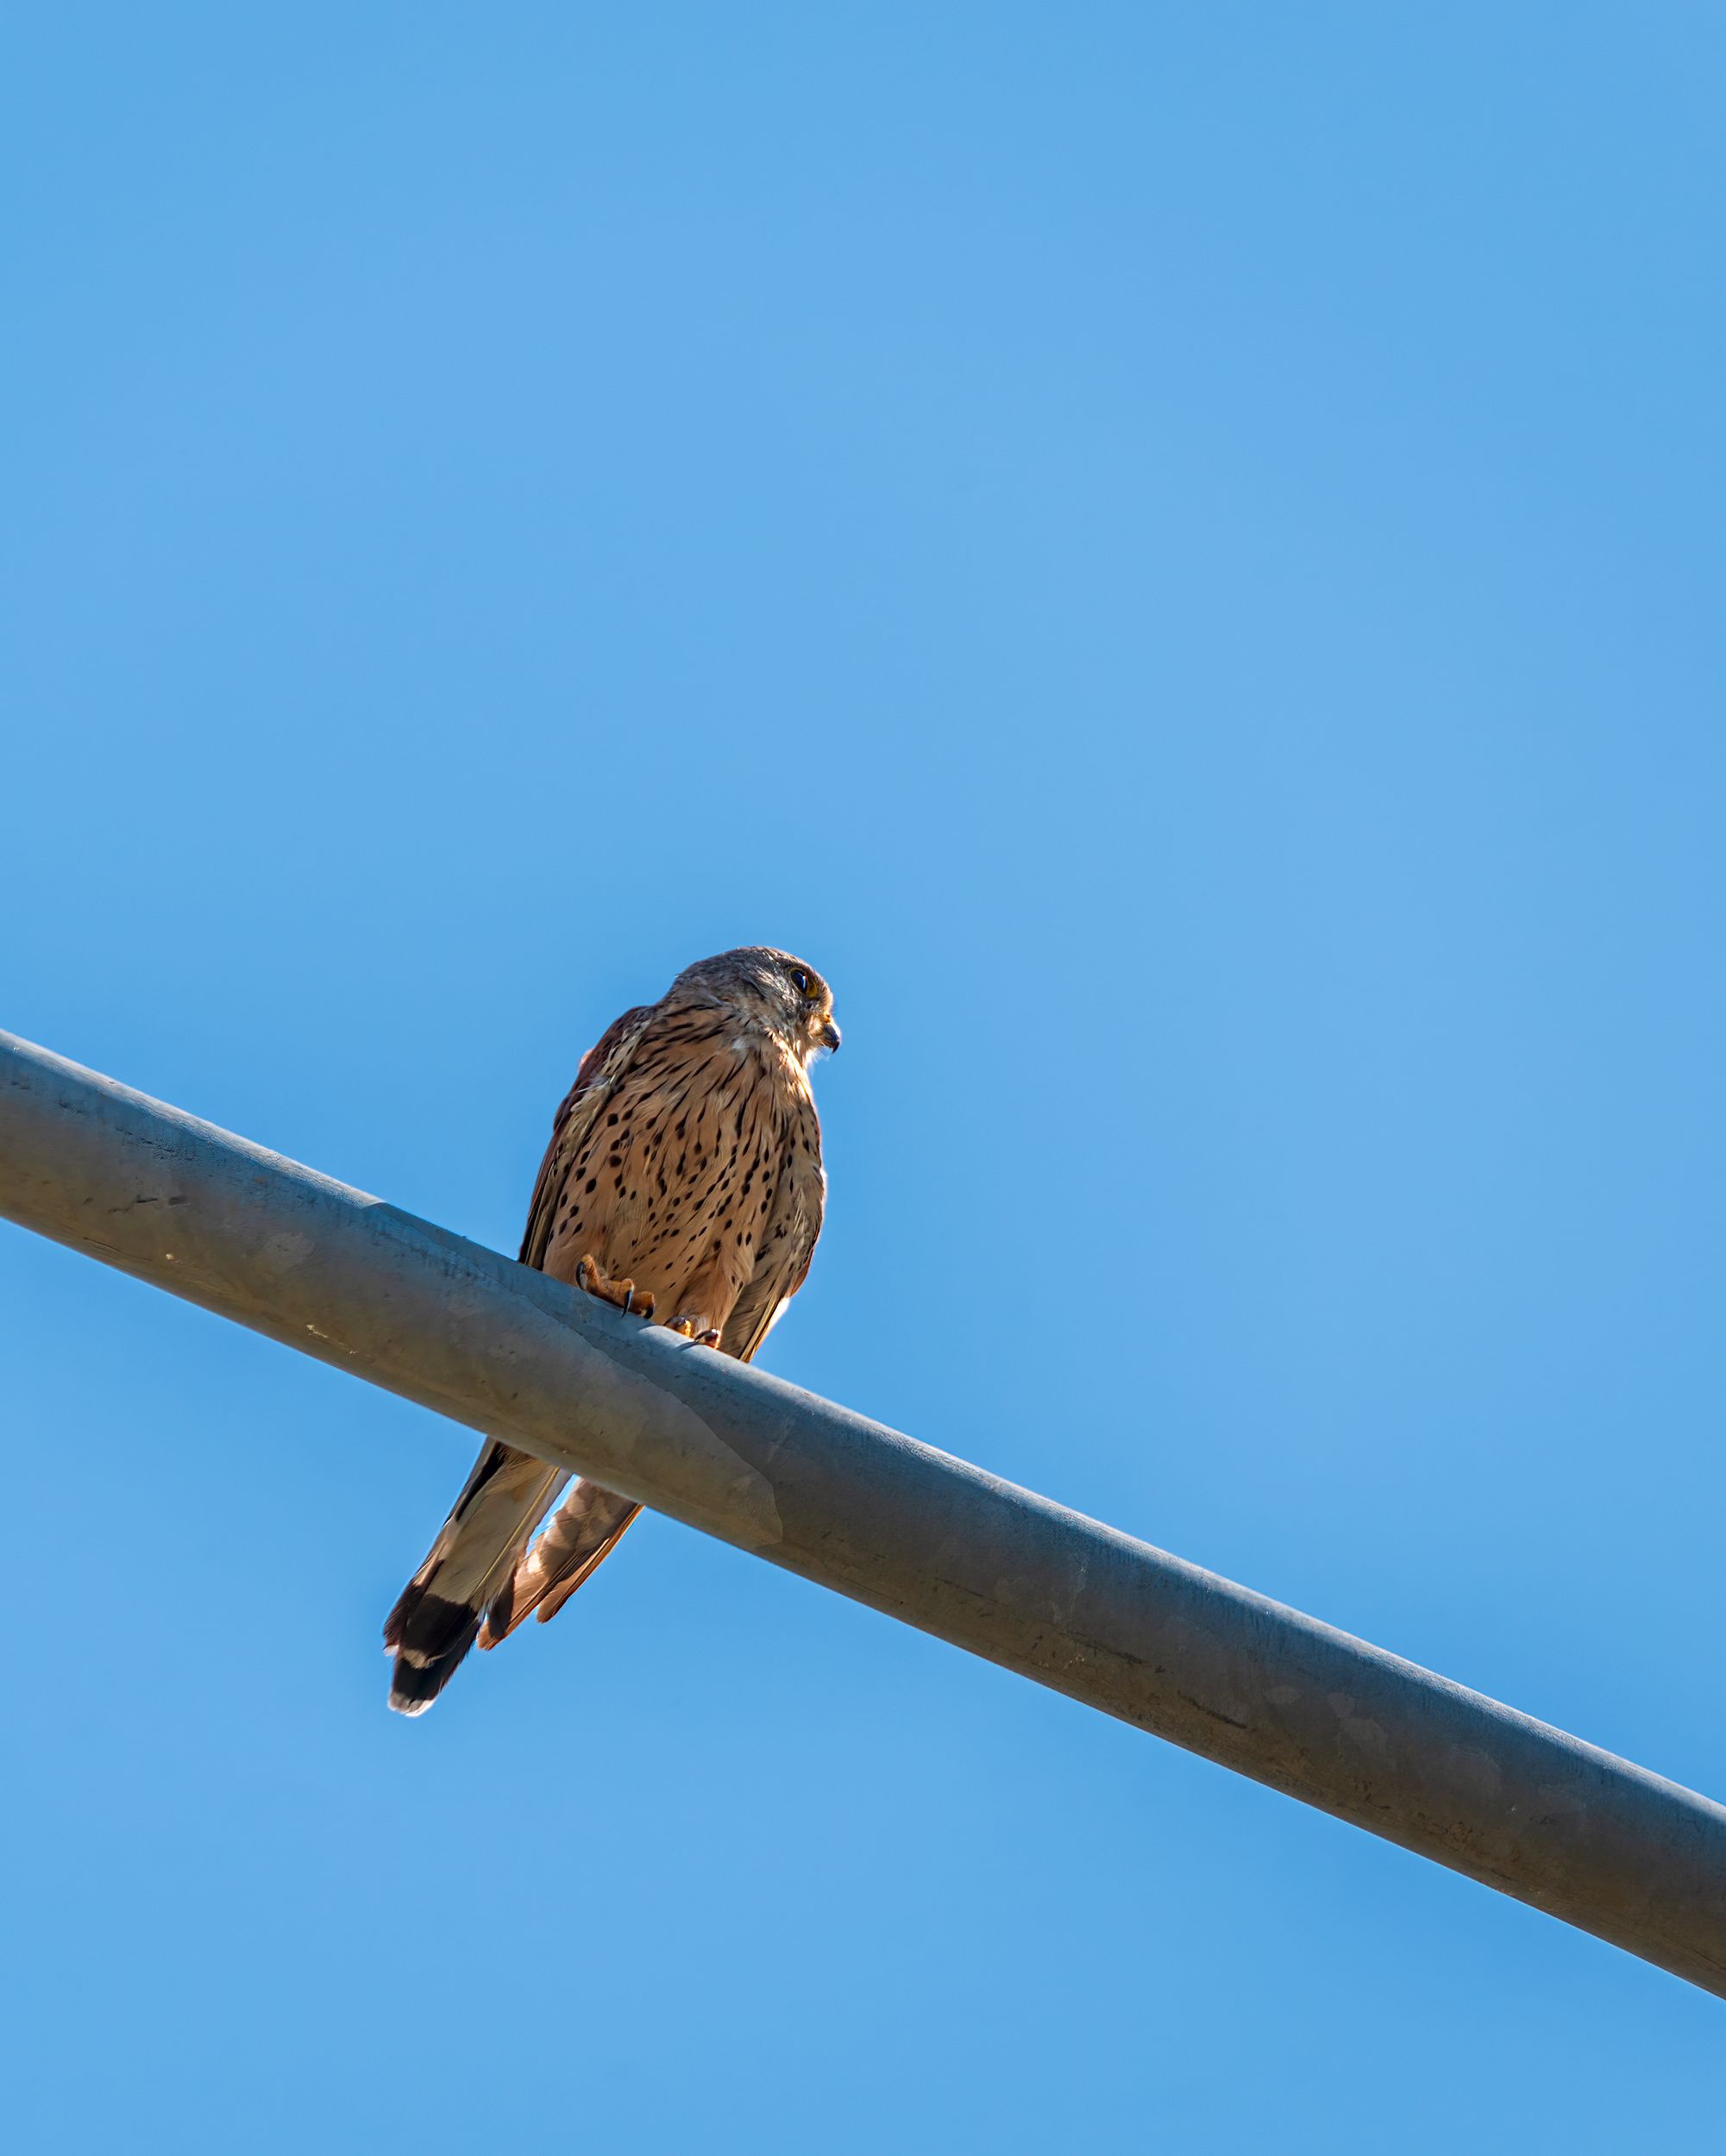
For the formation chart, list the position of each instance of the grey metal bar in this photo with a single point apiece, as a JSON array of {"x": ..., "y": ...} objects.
[{"x": 856, "y": 1507}]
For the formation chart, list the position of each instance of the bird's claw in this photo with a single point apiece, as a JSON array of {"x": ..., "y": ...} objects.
[
  {"x": 621, "y": 1293},
  {"x": 709, "y": 1337}
]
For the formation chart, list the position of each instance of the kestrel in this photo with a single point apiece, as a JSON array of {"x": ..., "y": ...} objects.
[{"x": 684, "y": 1179}]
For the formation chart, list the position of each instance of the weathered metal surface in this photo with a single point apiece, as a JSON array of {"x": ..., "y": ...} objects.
[{"x": 846, "y": 1502}]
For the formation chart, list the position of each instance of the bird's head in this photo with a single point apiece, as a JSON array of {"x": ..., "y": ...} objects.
[{"x": 768, "y": 988}]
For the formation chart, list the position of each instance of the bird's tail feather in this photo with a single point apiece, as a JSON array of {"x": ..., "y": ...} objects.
[
  {"x": 580, "y": 1535},
  {"x": 477, "y": 1551}
]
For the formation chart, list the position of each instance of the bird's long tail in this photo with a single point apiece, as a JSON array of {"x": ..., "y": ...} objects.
[
  {"x": 580, "y": 1535},
  {"x": 477, "y": 1552}
]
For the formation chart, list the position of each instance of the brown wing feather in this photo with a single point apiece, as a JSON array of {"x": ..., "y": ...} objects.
[
  {"x": 602, "y": 1067},
  {"x": 580, "y": 1535},
  {"x": 787, "y": 1243}
]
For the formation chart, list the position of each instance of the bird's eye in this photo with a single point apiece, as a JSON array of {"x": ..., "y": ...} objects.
[{"x": 800, "y": 981}]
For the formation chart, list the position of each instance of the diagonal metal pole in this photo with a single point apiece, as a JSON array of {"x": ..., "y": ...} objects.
[{"x": 999, "y": 1572}]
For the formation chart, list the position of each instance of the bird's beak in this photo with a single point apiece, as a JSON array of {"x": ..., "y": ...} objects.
[{"x": 830, "y": 1037}]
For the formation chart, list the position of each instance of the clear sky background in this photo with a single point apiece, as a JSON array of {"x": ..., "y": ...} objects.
[{"x": 1175, "y": 551}]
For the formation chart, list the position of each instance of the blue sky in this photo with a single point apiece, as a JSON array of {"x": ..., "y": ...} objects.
[{"x": 1174, "y": 552}]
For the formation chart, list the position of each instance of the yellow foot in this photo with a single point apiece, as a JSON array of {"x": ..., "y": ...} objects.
[
  {"x": 709, "y": 1337},
  {"x": 621, "y": 1293}
]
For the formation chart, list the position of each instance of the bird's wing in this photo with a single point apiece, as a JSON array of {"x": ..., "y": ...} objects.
[
  {"x": 788, "y": 1238},
  {"x": 582, "y": 1533},
  {"x": 602, "y": 1067}
]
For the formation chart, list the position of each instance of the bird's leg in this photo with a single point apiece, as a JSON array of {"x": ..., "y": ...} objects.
[
  {"x": 621, "y": 1293},
  {"x": 692, "y": 1329}
]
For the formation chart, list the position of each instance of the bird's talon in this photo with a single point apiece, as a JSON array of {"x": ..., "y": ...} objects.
[{"x": 621, "y": 1293}]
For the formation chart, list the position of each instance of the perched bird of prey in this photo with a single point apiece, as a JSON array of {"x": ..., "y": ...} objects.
[{"x": 684, "y": 1179}]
